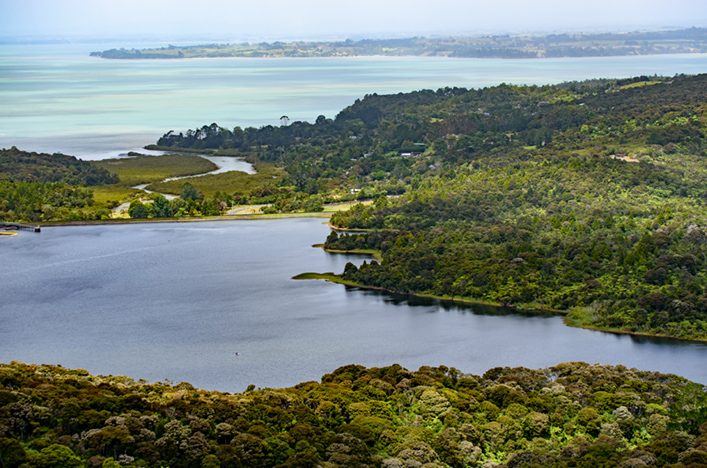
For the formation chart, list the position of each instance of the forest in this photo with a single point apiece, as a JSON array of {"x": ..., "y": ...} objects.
[
  {"x": 569, "y": 415},
  {"x": 39, "y": 187}
]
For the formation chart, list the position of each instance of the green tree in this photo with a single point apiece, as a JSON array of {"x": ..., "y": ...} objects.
[
  {"x": 12, "y": 454},
  {"x": 313, "y": 203},
  {"x": 138, "y": 210},
  {"x": 58, "y": 456},
  {"x": 161, "y": 207},
  {"x": 189, "y": 192},
  {"x": 208, "y": 208}
]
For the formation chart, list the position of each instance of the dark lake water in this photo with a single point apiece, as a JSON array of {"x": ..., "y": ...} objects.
[{"x": 177, "y": 301}]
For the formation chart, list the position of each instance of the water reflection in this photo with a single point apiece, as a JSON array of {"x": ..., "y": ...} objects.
[{"x": 434, "y": 305}]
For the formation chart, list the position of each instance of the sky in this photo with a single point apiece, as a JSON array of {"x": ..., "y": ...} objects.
[{"x": 238, "y": 20}]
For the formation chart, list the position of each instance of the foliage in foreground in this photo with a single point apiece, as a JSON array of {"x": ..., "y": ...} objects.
[{"x": 573, "y": 414}]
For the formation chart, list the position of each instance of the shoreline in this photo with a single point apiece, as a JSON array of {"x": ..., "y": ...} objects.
[
  {"x": 393, "y": 56},
  {"x": 102, "y": 222},
  {"x": 373, "y": 253},
  {"x": 332, "y": 278}
]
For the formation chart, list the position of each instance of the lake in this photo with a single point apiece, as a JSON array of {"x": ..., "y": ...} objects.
[
  {"x": 177, "y": 301},
  {"x": 57, "y": 98}
]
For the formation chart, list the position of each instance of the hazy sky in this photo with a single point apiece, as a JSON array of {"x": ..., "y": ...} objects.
[{"x": 238, "y": 20}]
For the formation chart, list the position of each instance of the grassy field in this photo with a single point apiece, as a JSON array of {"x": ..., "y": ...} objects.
[
  {"x": 228, "y": 182},
  {"x": 110, "y": 195},
  {"x": 147, "y": 169},
  {"x": 144, "y": 170}
]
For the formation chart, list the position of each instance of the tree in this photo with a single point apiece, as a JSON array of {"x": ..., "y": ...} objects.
[
  {"x": 189, "y": 192},
  {"x": 58, "y": 456},
  {"x": 12, "y": 454},
  {"x": 138, "y": 210},
  {"x": 313, "y": 203},
  {"x": 208, "y": 208},
  {"x": 161, "y": 207}
]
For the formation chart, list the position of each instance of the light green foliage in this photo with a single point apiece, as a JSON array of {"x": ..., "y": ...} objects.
[{"x": 58, "y": 456}]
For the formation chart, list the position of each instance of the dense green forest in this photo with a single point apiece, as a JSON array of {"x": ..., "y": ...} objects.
[
  {"x": 41, "y": 187},
  {"x": 569, "y": 415},
  {"x": 693, "y": 40},
  {"x": 584, "y": 197}
]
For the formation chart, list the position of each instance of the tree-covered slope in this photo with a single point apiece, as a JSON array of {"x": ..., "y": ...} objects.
[
  {"x": 570, "y": 415},
  {"x": 23, "y": 166},
  {"x": 43, "y": 187}
]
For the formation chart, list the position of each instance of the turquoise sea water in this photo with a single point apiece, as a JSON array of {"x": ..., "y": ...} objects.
[{"x": 57, "y": 98}]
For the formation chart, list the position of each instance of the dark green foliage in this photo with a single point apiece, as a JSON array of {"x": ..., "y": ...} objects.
[
  {"x": 138, "y": 210},
  {"x": 569, "y": 415},
  {"x": 46, "y": 201},
  {"x": 161, "y": 207},
  {"x": 44, "y": 187},
  {"x": 189, "y": 192},
  {"x": 22, "y": 166},
  {"x": 12, "y": 454},
  {"x": 575, "y": 226}
]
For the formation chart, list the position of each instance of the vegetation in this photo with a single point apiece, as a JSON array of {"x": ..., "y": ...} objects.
[
  {"x": 584, "y": 197},
  {"x": 229, "y": 182},
  {"x": 554, "y": 45},
  {"x": 572, "y": 225},
  {"x": 22, "y": 166},
  {"x": 569, "y": 415},
  {"x": 42, "y": 187},
  {"x": 144, "y": 169}
]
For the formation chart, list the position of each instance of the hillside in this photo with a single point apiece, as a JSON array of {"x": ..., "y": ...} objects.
[{"x": 39, "y": 187}]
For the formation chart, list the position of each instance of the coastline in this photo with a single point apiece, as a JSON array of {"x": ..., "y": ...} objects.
[
  {"x": 374, "y": 253},
  {"x": 180, "y": 220},
  {"x": 332, "y": 278}
]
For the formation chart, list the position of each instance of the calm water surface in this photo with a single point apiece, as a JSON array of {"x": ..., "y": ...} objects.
[
  {"x": 57, "y": 98},
  {"x": 178, "y": 300}
]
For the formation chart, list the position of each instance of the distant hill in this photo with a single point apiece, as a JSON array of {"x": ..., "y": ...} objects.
[{"x": 692, "y": 40}]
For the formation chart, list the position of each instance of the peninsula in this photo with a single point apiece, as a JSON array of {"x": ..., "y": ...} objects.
[{"x": 693, "y": 40}]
